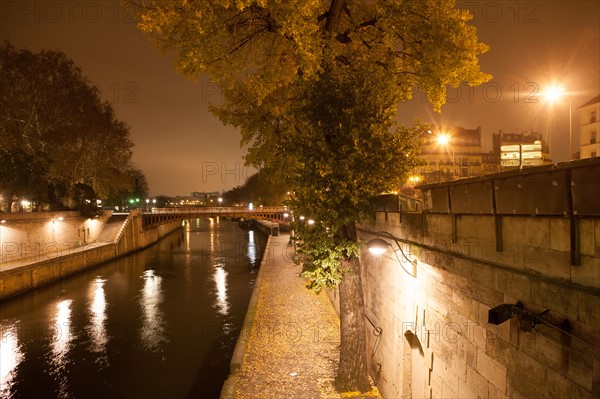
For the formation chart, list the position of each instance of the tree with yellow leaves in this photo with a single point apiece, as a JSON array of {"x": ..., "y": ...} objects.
[{"x": 314, "y": 86}]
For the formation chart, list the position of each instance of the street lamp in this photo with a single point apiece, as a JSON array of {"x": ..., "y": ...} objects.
[
  {"x": 414, "y": 180},
  {"x": 553, "y": 94},
  {"x": 443, "y": 139},
  {"x": 378, "y": 246}
]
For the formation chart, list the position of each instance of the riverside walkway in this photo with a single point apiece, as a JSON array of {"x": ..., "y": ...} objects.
[{"x": 290, "y": 341}]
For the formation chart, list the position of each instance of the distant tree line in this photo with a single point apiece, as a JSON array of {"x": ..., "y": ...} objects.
[
  {"x": 260, "y": 189},
  {"x": 61, "y": 146}
]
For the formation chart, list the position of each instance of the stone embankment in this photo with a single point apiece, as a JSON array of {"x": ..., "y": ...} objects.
[{"x": 39, "y": 248}]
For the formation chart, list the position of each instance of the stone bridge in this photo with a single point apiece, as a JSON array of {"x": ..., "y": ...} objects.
[{"x": 157, "y": 216}]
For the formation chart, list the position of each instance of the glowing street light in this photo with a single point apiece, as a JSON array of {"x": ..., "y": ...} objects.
[
  {"x": 554, "y": 94},
  {"x": 443, "y": 139},
  {"x": 414, "y": 180}
]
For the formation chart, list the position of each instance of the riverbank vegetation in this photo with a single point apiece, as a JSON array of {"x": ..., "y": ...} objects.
[{"x": 61, "y": 146}]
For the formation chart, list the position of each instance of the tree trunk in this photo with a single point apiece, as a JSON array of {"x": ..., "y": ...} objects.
[{"x": 352, "y": 371}]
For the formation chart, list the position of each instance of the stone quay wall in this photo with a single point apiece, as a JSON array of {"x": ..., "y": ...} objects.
[
  {"x": 38, "y": 248},
  {"x": 429, "y": 336}
]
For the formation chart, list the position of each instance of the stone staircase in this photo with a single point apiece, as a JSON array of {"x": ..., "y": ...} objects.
[{"x": 112, "y": 229}]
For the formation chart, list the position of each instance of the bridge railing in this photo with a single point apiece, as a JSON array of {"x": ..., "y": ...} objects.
[{"x": 218, "y": 210}]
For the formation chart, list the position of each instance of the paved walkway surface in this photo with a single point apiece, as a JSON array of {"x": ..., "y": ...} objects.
[{"x": 293, "y": 344}]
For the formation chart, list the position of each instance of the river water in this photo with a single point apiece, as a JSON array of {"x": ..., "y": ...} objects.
[{"x": 160, "y": 323}]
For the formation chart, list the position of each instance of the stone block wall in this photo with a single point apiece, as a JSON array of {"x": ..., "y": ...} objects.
[
  {"x": 38, "y": 236},
  {"x": 429, "y": 336},
  {"x": 48, "y": 249}
]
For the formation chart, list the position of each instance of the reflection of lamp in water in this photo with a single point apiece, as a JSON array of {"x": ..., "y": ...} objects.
[
  {"x": 97, "y": 326},
  {"x": 220, "y": 278},
  {"x": 10, "y": 356},
  {"x": 379, "y": 246}
]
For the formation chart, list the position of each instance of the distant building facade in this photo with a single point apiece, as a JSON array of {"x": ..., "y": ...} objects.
[
  {"x": 456, "y": 153},
  {"x": 519, "y": 147},
  {"x": 196, "y": 198},
  {"x": 589, "y": 128},
  {"x": 457, "y": 156}
]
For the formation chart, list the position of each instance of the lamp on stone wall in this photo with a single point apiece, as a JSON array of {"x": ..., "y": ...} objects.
[
  {"x": 378, "y": 246},
  {"x": 526, "y": 319}
]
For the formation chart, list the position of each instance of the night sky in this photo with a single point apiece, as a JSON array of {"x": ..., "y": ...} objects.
[{"x": 182, "y": 148}]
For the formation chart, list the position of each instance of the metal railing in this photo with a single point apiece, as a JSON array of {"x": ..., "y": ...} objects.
[{"x": 216, "y": 210}]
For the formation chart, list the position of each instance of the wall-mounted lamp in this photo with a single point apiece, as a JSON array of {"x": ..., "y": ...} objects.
[
  {"x": 378, "y": 246},
  {"x": 500, "y": 314},
  {"x": 527, "y": 320}
]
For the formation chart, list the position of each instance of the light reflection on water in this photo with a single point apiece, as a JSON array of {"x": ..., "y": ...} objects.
[
  {"x": 97, "y": 326},
  {"x": 152, "y": 331},
  {"x": 220, "y": 277},
  {"x": 251, "y": 248},
  {"x": 60, "y": 346},
  {"x": 10, "y": 357},
  {"x": 131, "y": 328}
]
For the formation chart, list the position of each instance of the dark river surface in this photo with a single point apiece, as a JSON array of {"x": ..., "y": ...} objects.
[{"x": 160, "y": 323}]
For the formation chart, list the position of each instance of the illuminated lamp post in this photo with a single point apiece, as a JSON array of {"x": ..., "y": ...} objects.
[
  {"x": 414, "y": 180},
  {"x": 443, "y": 139},
  {"x": 553, "y": 94}
]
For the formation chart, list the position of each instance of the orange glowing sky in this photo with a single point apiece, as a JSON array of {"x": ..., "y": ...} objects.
[{"x": 182, "y": 148}]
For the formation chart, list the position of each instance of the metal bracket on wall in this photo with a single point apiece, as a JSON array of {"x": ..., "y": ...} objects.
[
  {"x": 497, "y": 220},
  {"x": 575, "y": 254}
]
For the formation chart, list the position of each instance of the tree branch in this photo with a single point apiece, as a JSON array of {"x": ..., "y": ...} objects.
[{"x": 334, "y": 14}]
